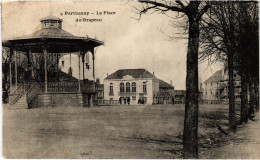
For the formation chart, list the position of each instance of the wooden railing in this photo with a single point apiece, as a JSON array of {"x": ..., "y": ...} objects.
[
  {"x": 27, "y": 86},
  {"x": 62, "y": 87},
  {"x": 68, "y": 87},
  {"x": 16, "y": 94},
  {"x": 32, "y": 92}
]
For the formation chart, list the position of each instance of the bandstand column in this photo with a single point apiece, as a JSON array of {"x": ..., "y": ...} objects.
[
  {"x": 57, "y": 68},
  {"x": 83, "y": 67},
  {"x": 45, "y": 69},
  {"x": 15, "y": 63},
  {"x": 93, "y": 58},
  {"x": 10, "y": 68},
  {"x": 29, "y": 64},
  {"x": 79, "y": 71}
]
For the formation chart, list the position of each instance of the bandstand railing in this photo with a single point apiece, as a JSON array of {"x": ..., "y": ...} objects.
[
  {"x": 29, "y": 89},
  {"x": 68, "y": 87},
  {"x": 16, "y": 94},
  {"x": 32, "y": 92},
  {"x": 62, "y": 87}
]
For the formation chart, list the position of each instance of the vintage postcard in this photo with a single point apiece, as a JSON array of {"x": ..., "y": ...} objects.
[{"x": 130, "y": 79}]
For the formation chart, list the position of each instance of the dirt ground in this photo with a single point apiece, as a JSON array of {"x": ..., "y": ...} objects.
[{"x": 121, "y": 132}]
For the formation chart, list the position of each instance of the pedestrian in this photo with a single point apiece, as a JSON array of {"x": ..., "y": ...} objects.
[
  {"x": 128, "y": 100},
  {"x": 120, "y": 100},
  {"x": 172, "y": 100},
  {"x": 125, "y": 100}
]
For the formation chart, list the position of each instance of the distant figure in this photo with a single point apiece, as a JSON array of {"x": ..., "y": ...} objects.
[
  {"x": 120, "y": 100},
  {"x": 125, "y": 100},
  {"x": 128, "y": 100},
  {"x": 172, "y": 100}
]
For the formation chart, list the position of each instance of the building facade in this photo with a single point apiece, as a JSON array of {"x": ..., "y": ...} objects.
[
  {"x": 215, "y": 88},
  {"x": 136, "y": 85}
]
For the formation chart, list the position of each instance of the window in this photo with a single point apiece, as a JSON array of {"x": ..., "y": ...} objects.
[
  {"x": 111, "y": 89},
  {"x": 127, "y": 87},
  {"x": 122, "y": 87},
  {"x": 134, "y": 98},
  {"x": 144, "y": 87},
  {"x": 133, "y": 87},
  {"x": 62, "y": 63}
]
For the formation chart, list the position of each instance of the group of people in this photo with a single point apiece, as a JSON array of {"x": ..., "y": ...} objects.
[{"x": 124, "y": 100}]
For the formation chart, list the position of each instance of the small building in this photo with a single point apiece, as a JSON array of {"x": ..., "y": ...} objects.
[
  {"x": 165, "y": 95},
  {"x": 136, "y": 85}
]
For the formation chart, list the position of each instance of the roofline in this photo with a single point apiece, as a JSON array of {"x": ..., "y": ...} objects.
[
  {"x": 98, "y": 43},
  {"x": 129, "y": 79}
]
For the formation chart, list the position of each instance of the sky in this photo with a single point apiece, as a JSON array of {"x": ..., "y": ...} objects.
[{"x": 128, "y": 43}]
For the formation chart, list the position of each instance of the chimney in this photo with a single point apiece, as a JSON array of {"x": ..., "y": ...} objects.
[
  {"x": 171, "y": 82},
  {"x": 107, "y": 74}
]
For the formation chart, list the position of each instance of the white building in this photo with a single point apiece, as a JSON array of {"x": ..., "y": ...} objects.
[{"x": 138, "y": 85}]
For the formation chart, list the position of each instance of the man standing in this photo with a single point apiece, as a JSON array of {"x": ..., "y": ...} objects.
[
  {"x": 125, "y": 100},
  {"x": 120, "y": 100}
]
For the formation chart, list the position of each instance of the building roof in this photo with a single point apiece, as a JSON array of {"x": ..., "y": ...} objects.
[
  {"x": 52, "y": 33},
  {"x": 216, "y": 77},
  {"x": 164, "y": 85},
  {"x": 138, "y": 73},
  {"x": 66, "y": 77},
  {"x": 50, "y": 17},
  {"x": 135, "y": 73},
  {"x": 55, "y": 36}
]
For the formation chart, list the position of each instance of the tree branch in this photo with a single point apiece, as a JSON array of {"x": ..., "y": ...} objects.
[
  {"x": 172, "y": 8},
  {"x": 204, "y": 10},
  {"x": 181, "y": 4}
]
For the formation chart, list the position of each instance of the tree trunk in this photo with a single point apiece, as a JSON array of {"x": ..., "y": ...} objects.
[
  {"x": 231, "y": 97},
  {"x": 244, "y": 108},
  {"x": 252, "y": 97},
  {"x": 190, "y": 132},
  {"x": 256, "y": 96}
]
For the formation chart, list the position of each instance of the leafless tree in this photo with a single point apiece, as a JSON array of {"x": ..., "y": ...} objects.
[
  {"x": 225, "y": 36},
  {"x": 194, "y": 11}
]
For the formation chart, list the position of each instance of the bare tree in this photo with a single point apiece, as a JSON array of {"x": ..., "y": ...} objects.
[
  {"x": 219, "y": 37},
  {"x": 225, "y": 35},
  {"x": 194, "y": 11},
  {"x": 248, "y": 43}
]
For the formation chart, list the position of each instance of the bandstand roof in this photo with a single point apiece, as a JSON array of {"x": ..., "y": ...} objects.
[
  {"x": 51, "y": 17},
  {"x": 56, "y": 39}
]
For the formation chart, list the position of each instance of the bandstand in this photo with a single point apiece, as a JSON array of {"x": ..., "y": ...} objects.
[{"x": 41, "y": 84}]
